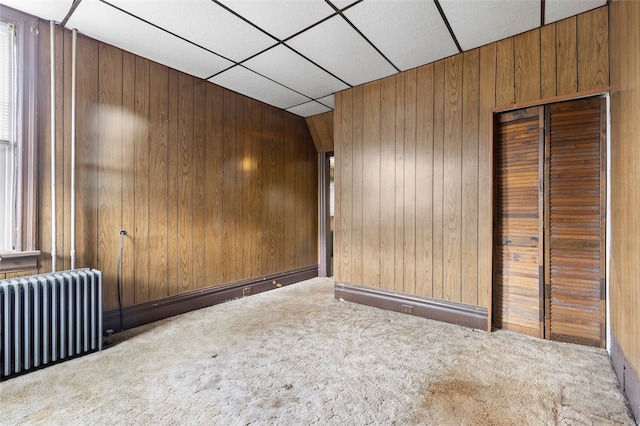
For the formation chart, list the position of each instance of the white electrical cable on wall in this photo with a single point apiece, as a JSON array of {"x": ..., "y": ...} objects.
[
  {"x": 52, "y": 45},
  {"x": 74, "y": 36}
]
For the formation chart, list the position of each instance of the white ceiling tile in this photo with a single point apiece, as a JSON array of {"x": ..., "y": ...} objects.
[
  {"x": 308, "y": 109},
  {"x": 248, "y": 83},
  {"x": 292, "y": 70},
  {"x": 479, "y": 22},
  {"x": 337, "y": 47},
  {"x": 328, "y": 101},
  {"x": 204, "y": 23},
  {"x": 46, "y": 9},
  {"x": 341, "y": 4},
  {"x": 281, "y": 18},
  {"x": 413, "y": 32},
  {"x": 555, "y": 10},
  {"x": 102, "y": 22}
]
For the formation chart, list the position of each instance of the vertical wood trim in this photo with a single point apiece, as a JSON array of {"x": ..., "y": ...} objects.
[
  {"x": 346, "y": 187},
  {"x": 398, "y": 190},
  {"x": 527, "y": 66},
  {"x": 548, "y": 61},
  {"x": 438, "y": 180},
  {"x": 410, "y": 192},
  {"x": 566, "y": 56},
  {"x": 371, "y": 185},
  {"x": 424, "y": 181},
  {"x": 357, "y": 192},
  {"x": 142, "y": 182},
  {"x": 593, "y": 49},
  {"x": 603, "y": 220},
  {"x": 172, "y": 184},
  {"x": 387, "y": 183},
  {"x": 185, "y": 183},
  {"x": 158, "y": 181},
  {"x": 470, "y": 177},
  {"x": 199, "y": 278},
  {"x": 545, "y": 214},
  {"x": 337, "y": 179},
  {"x": 452, "y": 232},
  {"x": 485, "y": 174},
  {"x": 505, "y": 72}
]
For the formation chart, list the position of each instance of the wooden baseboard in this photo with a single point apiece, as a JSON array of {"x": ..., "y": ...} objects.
[
  {"x": 440, "y": 310},
  {"x": 145, "y": 313},
  {"x": 627, "y": 377}
]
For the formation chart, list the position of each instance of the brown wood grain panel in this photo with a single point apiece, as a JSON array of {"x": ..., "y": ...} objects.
[
  {"x": 141, "y": 180},
  {"x": 438, "y": 180},
  {"x": 64, "y": 153},
  {"x": 371, "y": 185},
  {"x": 452, "y": 215},
  {"x": 199, "y": 260},
  {"x": 86, "y": 151},
  {"x": 214, "y": 188},
  {"x": 566, "y": 56},
  {"x": 244, "y": 181},
  {"x": 548, "y": 61},
  {"x": 485, "y": 172},
  {"x": 357, "y": 191},
  {"x": 424, "y": 180},
  {"x": 470, "y": 154},
  {"x": 505, "y": 72},
  {"x": 409, "y": 211},
  {"x": 278, "y": 188},
  {"x": 231, "y": 192},
  {"x": 321, "y": 129},
  {"x": 257, "y": 195},
  {"x": 186, "y": 182},
  {"x": 346, "y": 186},
  {"x": 625, "y": 82},
  {"x": 398, "y": 269},
  {"x": 172, "y": 184},
  {"x": 158, "y": 180},
  {"x": 109, "y": 169},
  {"x": 292, "y": 225},
  {"x": 387, "y": 182},
  {"x": 337, "y": 177},
  {"x": 527, "y": 66},
  {"x": 128, "y": 171},
  {"x": 593, "y": 49}
]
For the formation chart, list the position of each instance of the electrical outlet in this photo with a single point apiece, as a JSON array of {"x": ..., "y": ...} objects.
[
  {"x": 407, "y": 309},
  {"x": 246, "y": 291}
]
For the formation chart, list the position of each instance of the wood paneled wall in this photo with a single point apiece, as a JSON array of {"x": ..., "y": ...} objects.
[
  {"x": 414, "y": 157},
  {"x": 624, "y": 274},
  {"x": 321, "y": 129},
  {"x": 210, "y": 186}
]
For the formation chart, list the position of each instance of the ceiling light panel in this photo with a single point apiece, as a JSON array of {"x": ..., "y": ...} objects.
[
  {"x": 476, "y": 23},
  {"x": 555, "y": 10},
  {"x": 105, "y": 23},
  {"x": 204, "y": 23},
  {"x": 287, "y": 67},
  {"x": 338, "y": 48},
  {"x": 248, "y": 83},
  {"x": 409, "y": 32},
  {"x": 308, "y": 109},
  {"x": 47, "y": 9},
  {"x": 281, "y": 18},
  {"x": 328, "y": 101}
]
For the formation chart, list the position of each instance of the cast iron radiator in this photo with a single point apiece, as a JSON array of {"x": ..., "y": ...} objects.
[{"x": 49, "y": 318}]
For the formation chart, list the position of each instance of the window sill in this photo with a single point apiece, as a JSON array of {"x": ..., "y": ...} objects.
[{"x": 19, "y": 260}]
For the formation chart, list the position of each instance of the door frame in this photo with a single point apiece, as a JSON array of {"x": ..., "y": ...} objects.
[
  {"x": 604, "y": 91},
  {"x": 325, "y": 242}
]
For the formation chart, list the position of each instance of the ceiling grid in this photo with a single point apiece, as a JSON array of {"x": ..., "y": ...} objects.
[{"x": 295, "y": 54}]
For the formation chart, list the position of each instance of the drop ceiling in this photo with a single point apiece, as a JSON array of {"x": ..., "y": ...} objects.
[{"x": 295, "y": 54}]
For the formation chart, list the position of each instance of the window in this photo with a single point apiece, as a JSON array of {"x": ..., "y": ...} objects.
[{"x": 18, "y": 43}]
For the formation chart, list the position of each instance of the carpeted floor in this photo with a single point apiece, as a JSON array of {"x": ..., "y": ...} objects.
[{"x": 297, "y": 356}]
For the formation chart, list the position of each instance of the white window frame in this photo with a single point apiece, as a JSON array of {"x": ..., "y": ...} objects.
[{"x": 23, "y": 253}]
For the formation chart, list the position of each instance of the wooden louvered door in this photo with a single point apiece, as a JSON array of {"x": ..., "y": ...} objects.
[
  {"x": 518, "y": 232},
  {"x": 575, "y": 174}
]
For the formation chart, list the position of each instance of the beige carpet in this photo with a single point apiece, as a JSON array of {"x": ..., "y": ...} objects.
[{"x": 297, "y": 356}]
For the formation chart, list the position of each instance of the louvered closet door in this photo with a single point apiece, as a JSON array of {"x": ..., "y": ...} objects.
[
  {"x": 518, "y": 232},
  {"x": 574, "y": 209}
]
